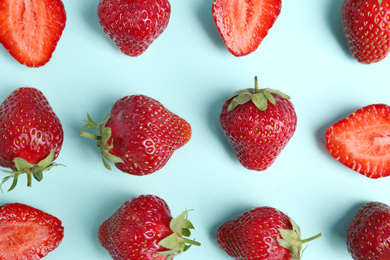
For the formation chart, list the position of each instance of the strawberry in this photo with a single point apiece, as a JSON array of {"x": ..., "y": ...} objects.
[
  {"x": 133, "y": 24},
  {"x": 368, "y": 234},
  {"x": 139, "y": 135},
  {"x": 258, "y": 124},
  {"x": 244, "y": 24},
  {"x": 30, "y": 29},
  {"x": 262, "y": 233},
  {"x": 366, "y": 24},
  {"x": 27, "y": 232},
  {"x": 31, "y": 135},
  {"x": 143, "y": 228},
  {"x": 361, "y": 140}
]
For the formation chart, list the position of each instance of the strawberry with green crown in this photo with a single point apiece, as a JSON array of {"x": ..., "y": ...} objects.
[
  {"x": 263, "y": 233},
  {"x": 258, "y": 123},
  {"x": 139, "y": 135},
  {"x": 143, "y": 228},
  {"x": 31, "y": 135}
]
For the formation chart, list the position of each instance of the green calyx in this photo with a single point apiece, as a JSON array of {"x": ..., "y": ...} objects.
[
  {"x": 291, "y": 239},
  {"x": 380, "y": 2},
  {"x": 178, "y": 242},
  {"x": 259, "y": 97},
  {"x": 102, "y": 139},
  {"x": 32, "y": 170}
]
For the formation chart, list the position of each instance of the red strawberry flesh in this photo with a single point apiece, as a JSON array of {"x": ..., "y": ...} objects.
[
  {"x": 30, "y": 29},
  {"x": 244, "y": 24},
  {"x": 27, "y": 233},
  {"x": 362, "y": 141}
]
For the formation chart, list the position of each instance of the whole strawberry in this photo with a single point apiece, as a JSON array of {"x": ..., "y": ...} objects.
[
  {"x": 139, "y": 135},
  {"x": 368, "y": 234},
  {"x": 27, "y": 232},
  {"x": 30, "y": 30},
  {"x": 258, "y": 124},
  {"x": 244, "y": 24},
  {"x": 262, "y": 233},
  {"x": 366, "y": 25},
  {"x": 360, "y": 141},
  {"x": 143, "y": 228},
  {"x": 133, "y": 24},
  {"x": 31, "y": 135}
]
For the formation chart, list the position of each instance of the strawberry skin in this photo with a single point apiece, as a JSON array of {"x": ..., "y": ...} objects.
[
  {"x": 368, "y": 234},
  {"x": 139, "y": 135},
  {"x": 29, "y": 130},
  {"x": 143, "y": 228},
  {"x": 261, "y": 233},
  {"x": 244, "y": 24},
  {"x": 133, "y": 24},
  {"x": 31, "y": 29},
  {"x": 258, "y": 124},
  {"x": 366, "y": 24},
  {"x": 27, "y": 232},
  {"x": 361, "y": 141}
]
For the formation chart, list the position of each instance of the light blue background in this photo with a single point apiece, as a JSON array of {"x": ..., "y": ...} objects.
[{"x": 190, "y": 71}]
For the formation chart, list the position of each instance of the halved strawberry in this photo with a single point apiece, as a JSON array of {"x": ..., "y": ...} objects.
[
  {"x": 362, "y": 141},
  {"x": 30, "y": 29},
  {"x": 244, "y": 24},
  {"x": 27, "y": 233}
]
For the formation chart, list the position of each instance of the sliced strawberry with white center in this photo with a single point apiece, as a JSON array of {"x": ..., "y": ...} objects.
[
  {"x": 30, "y": 29},
  {"x": 243, "y": 24},
  {"x": 362, "y": 141}
]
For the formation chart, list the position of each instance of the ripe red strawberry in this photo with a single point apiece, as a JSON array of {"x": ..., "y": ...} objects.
[
  {"x": 244, "y": 24},
  {"x": 31, "y": 135},
  {"x": 133, "y": 24},
  {"x": 140, "y": 135},
  {"x": 143, "y": 228},
  {"x": 30, "y": 30},
  {"x": 258, "y": 124},
  {"x": 27, "y": 232},
  {"x": 361, "y": 140},
  {"x": 368, "y": 234},
  {"x": 262, "y": 233},
  {"x": 366, "y": 24}
]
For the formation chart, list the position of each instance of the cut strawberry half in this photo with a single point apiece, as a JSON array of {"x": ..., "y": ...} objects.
[
  {"x": 362, "y": 141},
  {"x": 244, "y": 24},
  {"x": 27, "y": 232},
  {"x": 30, "y": 29}
]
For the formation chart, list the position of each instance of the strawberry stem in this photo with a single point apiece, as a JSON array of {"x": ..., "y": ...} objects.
[
  {"x": 311, "y": 238},
  {"x": 29, "y": 178},
  {"x": 256, "y": 85}
]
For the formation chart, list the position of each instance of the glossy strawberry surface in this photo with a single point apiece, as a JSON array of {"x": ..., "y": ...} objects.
[
  {"x": 368, "y": 234},
  {"x": 366, "y": 24},
  {"x": 29, "y": 128},
  {"x": 140, "y": 135},
  {"x": 133, "y": 25},
  {"x": 138, "y": 229},
  {"x": 258, "y": 136}
]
